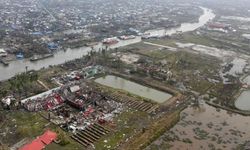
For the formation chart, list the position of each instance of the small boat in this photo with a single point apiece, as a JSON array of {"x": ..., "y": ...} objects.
[
  {"x": 110, "y": 41},
  {"x": 90, "y": 44},
  {"x": 127, "y": 37},
  {"x": 5, "y": 63},
  {"x": 39, "y": 57}
]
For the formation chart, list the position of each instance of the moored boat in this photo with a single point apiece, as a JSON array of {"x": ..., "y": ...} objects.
[
  {"x": 110, "y": 41},
  {"x": 127, "y": 37},
  {"x": 39, "y": 57}
]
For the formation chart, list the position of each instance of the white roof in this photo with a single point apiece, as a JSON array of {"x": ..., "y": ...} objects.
[
  {"x": 2, "y": 50},
  {"x": 246, "y": 36},
  {"x": 74, "y": 89},
  {"x": 44, "y": 94}
]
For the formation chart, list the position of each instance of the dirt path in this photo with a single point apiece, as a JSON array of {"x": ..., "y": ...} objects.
[{"x": 42, "y": 84}]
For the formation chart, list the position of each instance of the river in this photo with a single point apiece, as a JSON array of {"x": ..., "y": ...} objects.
[
  {"x": 185, "y": 27},
  {"x": 60, "y": 57}
]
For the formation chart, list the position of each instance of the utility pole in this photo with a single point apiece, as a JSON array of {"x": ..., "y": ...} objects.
[{"x": 26, "y": 69}]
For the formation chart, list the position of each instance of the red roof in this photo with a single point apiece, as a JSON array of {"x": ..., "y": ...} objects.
[
  {"x": 34, "y": 145},
  {"x": 40, "y": 142},
  {"x": 48, "y": 137}
]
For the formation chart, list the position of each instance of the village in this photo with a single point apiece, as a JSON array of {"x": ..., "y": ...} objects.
[{"x": 133, "y": 87}]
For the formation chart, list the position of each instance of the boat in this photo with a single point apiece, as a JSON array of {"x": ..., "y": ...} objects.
[
  {"x": 39, "y": 57},
  {"x": 110, "y": 41},
  {"x": 127, "y": 37},
  {"x": 5, "y": 63},
  {"x": 90, "y": 44}
]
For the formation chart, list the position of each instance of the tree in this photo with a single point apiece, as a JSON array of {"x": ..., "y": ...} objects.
[{"x": 22, "y": 82}]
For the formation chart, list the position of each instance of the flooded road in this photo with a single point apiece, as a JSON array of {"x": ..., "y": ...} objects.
[
  {"x": 205, "y": 128},
  {"x": 134, "y": 88}
]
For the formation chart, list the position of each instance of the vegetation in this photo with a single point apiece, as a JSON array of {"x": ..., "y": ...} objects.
[
  {"x": 62, "y": 137},
  {"x": 21, "y": 124},
  {"x": 155, "y": 130},
  {"x": 125, "y": 126},
  {"x": 22, "y": 82}
]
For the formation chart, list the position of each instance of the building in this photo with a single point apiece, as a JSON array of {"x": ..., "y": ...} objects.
[
  {"x": 3, "y": 53},
  {"x": 40, "y": 142},
  {"x": 246, "y": 36}
]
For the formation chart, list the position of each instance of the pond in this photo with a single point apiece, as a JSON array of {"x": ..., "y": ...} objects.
[
  {"x": 134, "y": 88},
  {"x": 243, "y": 101}
]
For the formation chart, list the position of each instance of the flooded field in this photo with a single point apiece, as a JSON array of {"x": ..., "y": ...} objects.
[
  {"x": 134, "y": 88},
  {"x": 204, "y": 127},
  {"x": 202, "y": 49}
]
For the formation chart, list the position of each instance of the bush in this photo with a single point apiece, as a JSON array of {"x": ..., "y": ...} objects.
[{"x": 62, "y": 137}]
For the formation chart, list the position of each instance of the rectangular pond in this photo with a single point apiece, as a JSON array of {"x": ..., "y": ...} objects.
[
  {"x": 243, "y": 101},
  {"x": 134, "y": 88}
]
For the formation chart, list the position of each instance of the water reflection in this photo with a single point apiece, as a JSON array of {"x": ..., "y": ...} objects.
[{"x": 134, "y": 88}]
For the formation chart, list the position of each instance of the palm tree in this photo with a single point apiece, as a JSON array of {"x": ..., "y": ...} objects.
[{"x": 22, "y": 82}]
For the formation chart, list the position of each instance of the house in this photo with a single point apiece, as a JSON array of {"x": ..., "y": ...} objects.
[
  {"x": 3, "y": 53},
  {"x": 91, "y": 71},
  {"x": 52, "y": 46},
  {"x": 40, "y": 142}
]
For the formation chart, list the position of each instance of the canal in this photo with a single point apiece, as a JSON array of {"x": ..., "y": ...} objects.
[{"x": 134, "y": 88}]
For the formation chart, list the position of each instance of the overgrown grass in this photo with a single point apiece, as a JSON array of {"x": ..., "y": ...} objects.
[{"x": 126, "y": 124}]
